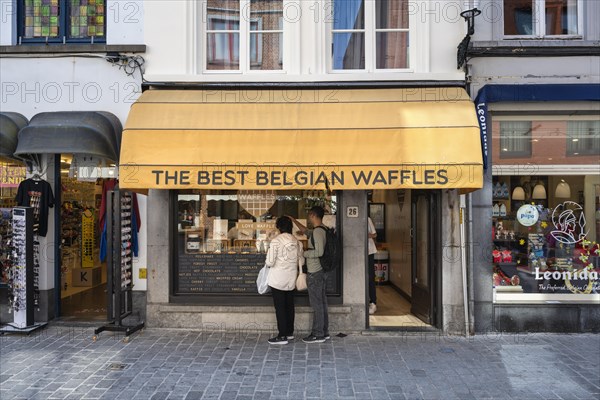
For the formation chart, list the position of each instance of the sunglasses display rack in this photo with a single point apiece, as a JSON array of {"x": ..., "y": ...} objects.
[
  {"x": 22, "y": 278},
  {"x": 119, "y": 258},
  {"x": 5, "y": 249}
]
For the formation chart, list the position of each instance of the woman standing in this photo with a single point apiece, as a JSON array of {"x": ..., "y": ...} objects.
[{"x": 283, "y": 258}]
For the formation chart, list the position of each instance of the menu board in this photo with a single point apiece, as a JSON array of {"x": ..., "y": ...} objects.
[{"x": 219, "y": 273}]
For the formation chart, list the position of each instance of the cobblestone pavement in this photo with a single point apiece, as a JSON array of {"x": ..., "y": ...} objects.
[{"x": 65, "y": 363}]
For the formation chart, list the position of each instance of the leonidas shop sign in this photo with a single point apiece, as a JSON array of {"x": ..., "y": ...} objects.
[
  {"x": 299, "y": 177},
  {"x": 11, "y": 176}
]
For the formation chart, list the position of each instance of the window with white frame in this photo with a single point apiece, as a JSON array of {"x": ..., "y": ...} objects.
[
  {"x": 243, "y": 41},
  {"x": 539, "y": 18},
  {"x": 370, "y": 34}
]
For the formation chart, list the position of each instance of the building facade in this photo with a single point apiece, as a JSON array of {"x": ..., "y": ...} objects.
[
  {"x": 72, "y": 72},
  {"x": 257, "y": 109},
  {"x": 533, "y": 69}
]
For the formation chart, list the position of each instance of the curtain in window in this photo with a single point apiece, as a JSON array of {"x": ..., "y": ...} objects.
[
  {"x": 570, "y": 19},
  {"x": 583, "y": 137},
  {"x": 391, "y": 29},
  {"x": 523, "y": 22},
  {"x": 515, "y": 138},
  {"x": 223, "y": 34},
  {"x": 518, "y": 17},
  {"x": 348, "y": 47},
  {"x": 561, "y": 17}
]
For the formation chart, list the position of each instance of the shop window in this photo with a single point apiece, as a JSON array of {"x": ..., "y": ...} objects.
[
  {"x": 58, "y": 20},
  {"x": 515, "y": 139},
  {"x": 222, "y": 237},
  {"x": 539, "y": 18},
  {"x": 545, "y": 238},
  {"x": 583, "y": 138},
  {"x": 380, "y": 43},
  {"x": 261, "y": 31}
]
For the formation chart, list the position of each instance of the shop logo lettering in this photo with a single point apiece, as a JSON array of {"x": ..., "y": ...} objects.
[
  {"x": 565, "y": 275},
  {"x": 280, "y": 178}
]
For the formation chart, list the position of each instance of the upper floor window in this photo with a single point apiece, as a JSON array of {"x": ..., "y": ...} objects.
[
  {"x": 244, "y": 35},
  {"x": 539, "y": 18},
  {"x": 62, "y": 20},
  {"x": 583, "y": 138},
  {"x": 515, "y": 139},
  {"x": 370, "y": 35}
]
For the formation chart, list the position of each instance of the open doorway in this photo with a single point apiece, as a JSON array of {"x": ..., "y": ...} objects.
[
  {"x": 407, "y": 223},
  {"x": 83, "y": 275}
]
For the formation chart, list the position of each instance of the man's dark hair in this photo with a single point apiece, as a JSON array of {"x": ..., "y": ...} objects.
[
  {"x": 318, "y": 211},
  {"x": 284, "y": 224}
]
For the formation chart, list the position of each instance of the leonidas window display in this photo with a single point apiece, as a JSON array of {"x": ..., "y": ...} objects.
[{"x": 543, "y": 241}]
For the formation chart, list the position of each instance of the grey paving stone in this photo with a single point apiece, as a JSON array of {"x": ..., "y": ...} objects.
[
  {"x": 194, "y": 395},
  {"x": 166, "y": 364}
]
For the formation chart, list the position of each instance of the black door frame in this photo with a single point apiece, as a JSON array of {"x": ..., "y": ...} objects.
[
  {"x": 57, "y": 236},
  {"x": 434, "y": 254}
]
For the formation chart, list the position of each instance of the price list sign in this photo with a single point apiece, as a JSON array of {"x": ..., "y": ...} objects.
[{"x": 219, "y": 273}]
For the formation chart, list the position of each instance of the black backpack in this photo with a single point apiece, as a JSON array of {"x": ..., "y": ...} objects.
[{"x": 330, "y": 259}]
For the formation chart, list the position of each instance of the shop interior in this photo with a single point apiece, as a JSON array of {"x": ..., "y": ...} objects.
[
  {"x": 82, "y": 275},
  {"x": 213, "y": 221},
  {"x": 391, "y": 212}
]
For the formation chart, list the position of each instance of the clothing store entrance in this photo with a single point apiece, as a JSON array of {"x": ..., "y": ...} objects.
[{"x": 407, "y": 276}]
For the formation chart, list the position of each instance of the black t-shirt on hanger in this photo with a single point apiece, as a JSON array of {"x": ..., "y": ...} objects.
[{"x": 38, "y": 195}]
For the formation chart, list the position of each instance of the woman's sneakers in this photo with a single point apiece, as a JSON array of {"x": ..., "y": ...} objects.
[{"x": 279, "y": 340}]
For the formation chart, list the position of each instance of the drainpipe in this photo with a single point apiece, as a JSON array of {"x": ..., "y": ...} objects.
[{"x": 463, "y": 264}]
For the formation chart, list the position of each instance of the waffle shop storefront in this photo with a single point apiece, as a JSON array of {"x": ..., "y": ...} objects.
[{"x": 221, "y": 166}]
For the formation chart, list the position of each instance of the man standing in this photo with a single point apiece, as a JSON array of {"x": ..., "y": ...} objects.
[{"x": 317, "y": 278}]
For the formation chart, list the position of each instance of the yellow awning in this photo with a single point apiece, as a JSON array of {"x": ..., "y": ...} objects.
[{"x": 302, "y": 139}]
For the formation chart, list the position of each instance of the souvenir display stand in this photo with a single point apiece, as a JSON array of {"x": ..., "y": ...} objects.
[
  {"x": 20, "y": 273},
  {"x": 119, "y": 258}
]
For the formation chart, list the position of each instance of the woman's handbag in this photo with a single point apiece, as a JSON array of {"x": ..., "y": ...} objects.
[
  {"x": 261, "y": 281},
  {"x": 301, "y": 279}
]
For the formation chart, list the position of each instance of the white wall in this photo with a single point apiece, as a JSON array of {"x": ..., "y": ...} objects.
[
  {"x": 8, "y": 21},
  {"x": 175, "y": 50},
  {"x": 75, "y": 84},
  {"x": 124, "y": 22}
]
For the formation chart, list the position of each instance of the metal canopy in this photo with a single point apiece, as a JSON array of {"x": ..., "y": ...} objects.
[
  {"x": 10, "y": 125},
  {"x": 94, "y": 133}
]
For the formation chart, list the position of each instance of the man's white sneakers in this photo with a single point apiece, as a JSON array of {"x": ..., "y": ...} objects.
[{"x": 372, "y": 308}]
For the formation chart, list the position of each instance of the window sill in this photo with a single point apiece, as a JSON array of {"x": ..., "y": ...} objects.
[
  {"x": 534, "y": 48},
  {"x": 57, "y": 48}
]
